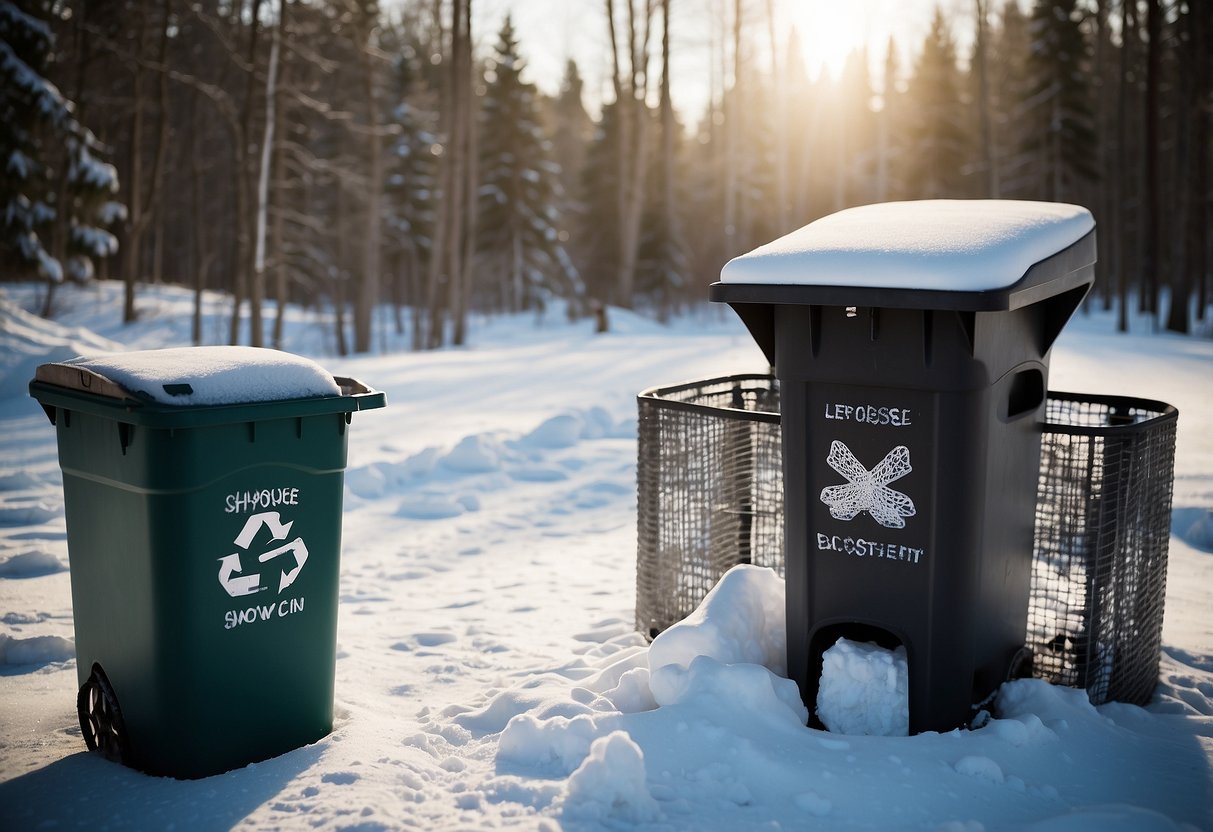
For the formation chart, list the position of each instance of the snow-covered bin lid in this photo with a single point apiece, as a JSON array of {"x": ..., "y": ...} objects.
[
  {"x": 198, "y": 386},
  {"x": 195, "y": 376},
  {"x": 930, "y": 254}
]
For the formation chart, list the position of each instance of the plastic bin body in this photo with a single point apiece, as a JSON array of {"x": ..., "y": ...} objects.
[
  {"x": 168, "y": 512},
  {"x": 911, "y": 445}
]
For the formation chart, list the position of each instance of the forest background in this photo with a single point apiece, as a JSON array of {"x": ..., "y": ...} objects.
[{"x": 386, "y": 163}]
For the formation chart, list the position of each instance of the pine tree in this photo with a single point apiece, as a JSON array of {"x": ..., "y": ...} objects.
[
  {"x": 937, "y": 140},
  {"x": 1057, "y": 111},
  {"x": 1009, "y": 84},
  {"x": 412, "y": 188},
  {"x": 572, "y": 132},
  {"x": 519, "y": 222},
  {"x": 56, "y": 190}
]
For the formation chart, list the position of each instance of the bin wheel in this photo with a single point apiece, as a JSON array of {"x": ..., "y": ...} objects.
[{"x": 101, "y": 718}]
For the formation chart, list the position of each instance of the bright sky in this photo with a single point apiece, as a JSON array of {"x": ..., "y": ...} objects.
[{"x": 552, "y": 31}]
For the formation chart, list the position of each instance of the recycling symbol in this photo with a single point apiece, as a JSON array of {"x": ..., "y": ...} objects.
[{"x": 237, "y": 584}]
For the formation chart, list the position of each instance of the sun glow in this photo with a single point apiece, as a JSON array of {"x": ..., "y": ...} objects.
[{"x": 829, "y": 30}]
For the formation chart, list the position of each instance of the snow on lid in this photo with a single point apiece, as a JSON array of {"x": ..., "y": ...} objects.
[
  {"x": 942, "y": 244},
  {"x": 213, "y": 375}
]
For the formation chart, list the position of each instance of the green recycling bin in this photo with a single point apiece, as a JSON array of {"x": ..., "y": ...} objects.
[{"x": 202, "y": 493}]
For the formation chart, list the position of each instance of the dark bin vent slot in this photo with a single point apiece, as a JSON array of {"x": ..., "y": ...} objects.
[
  {"x": 125, "y": 432},
  {"x": 178, "y": 389},
  {"x": 928, "y": 334},
  {"x": 1027, "y": 393}
]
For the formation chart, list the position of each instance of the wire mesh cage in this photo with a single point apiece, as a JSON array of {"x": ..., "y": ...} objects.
[
  {"x": 710, "y": 496},
  {"x": 1103, "y": 519},
  {"x": 709, "y": 490}
]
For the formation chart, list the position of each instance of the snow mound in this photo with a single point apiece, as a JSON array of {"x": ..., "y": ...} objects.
[
  {"x": 432, "y": 507},
  {"x": 562, "y": 431},
  {"x": 864, "y": 690},
  {"x": 558, "y": 741},
  {"x": 740, "y": 620},
  {"x": 202, "y": 376},
  {"x": 1194, "y": 526},
  {"x": 36, "y": 650},
  {"x": 474, "y": 455},
  {"x": 32, "y": 564},
  {"x": 939, "y": 244},
  {"x": 26, "y": 341},
  {"x": 610, "y": 783},
  {"x": 29, "y": 513},
  {"x": 1107, "y": 818}
]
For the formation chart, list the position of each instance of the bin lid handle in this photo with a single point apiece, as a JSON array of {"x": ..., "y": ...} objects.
[
  {"x": 75, "y": 377},
  {"x": 351, "y": 386}
]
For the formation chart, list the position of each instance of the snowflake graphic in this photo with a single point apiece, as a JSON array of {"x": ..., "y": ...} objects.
[{"x": 868, "y": 490}]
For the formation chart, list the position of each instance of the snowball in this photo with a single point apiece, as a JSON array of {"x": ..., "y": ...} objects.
[
  {"x": 864, "y": 690},
  {"x": 610, "y": 783},
  {"x": 943, "y": 244},
  {"x": 213, "y": 375}
]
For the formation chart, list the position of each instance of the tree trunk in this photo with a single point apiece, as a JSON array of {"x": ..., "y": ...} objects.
[
  {"x": 1187, "y": 116},
  {"x": 1201, "y": 217},
  {"x": 1152, "y": 259},
  {"x": 630, "y": 91},
  {"x": 732, "y": 124},
  {"x": 277, "y": 239},
  {"x": 367, "y": 287},
  {"x": 989, "y": 159},
  {"x": 461, "y": 284},
  {"x": 782, "y": 108},
  {"x": 668, "y": 129},
  {"x": 1124, "y": 165},
  {"x": 257, "y": 284},
  {"x": 240, "y": 280},
  {"x": 135, "y": 221}
]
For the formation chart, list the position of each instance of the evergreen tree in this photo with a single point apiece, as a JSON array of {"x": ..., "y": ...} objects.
[
  {"x": 572, "y": 130},
  {"x": 412, "y": 189},
  {"x": 937, "y": 138},
  {"x": 56, "y": 190},
  {"x": 856, "y": 184},
  {"x": 662, "y": 268},
  {"x": 1056, "y": 113},
  {"x": 1009, "y": 84},
  {"x": 519, "y": 237},
  {"x": 889, "y": 130}
]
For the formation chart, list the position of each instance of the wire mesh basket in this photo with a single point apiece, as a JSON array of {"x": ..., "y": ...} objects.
[
  {"x": 709, "y": 491},
  {"x": 1103, "y": 525},
  {"x": 710, "y": 496}
]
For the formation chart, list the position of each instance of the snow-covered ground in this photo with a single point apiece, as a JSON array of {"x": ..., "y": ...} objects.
[{"x": 488, "y": 674}]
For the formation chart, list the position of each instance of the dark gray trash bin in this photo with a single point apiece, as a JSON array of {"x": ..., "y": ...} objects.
[{"x": 911, "y": 345}]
